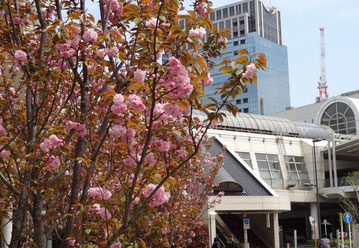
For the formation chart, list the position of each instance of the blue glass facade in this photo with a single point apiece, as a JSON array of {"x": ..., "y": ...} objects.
[{"x": 273, "y": 84}]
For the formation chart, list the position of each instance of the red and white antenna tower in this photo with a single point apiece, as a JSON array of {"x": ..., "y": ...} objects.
[{"x": 322, "y": 84}]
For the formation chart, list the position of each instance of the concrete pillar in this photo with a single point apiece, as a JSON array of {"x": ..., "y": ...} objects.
[
  {"x": 276, "y": 230},
  {"x": 314, "y": 213},
  {"x": 49, "y": 244},
  {"x": 6, "y": 227},
  {"x": 212, "y": 226},
  {"x": 245, "y": 234}
]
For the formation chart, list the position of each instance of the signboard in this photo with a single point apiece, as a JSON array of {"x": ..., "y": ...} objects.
[
  {"x": 311, "y": 220},
  {"x": 347, "y": 217},
  {"x": 246, "y": 224},
  {"x": 345, "y": 234}
]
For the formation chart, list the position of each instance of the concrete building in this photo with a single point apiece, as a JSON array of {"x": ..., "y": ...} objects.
[
  {"x": 268, "y": 177},
  {"x": 257, "y": 29}
]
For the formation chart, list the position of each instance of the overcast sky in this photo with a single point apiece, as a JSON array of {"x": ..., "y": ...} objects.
[{"x": 301, "y": 21}]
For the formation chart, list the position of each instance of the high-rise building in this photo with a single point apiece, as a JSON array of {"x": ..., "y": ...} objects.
[{"x": 257, "y": 29}]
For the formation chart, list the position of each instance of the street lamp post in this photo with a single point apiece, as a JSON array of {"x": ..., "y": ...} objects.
[{"x": 317, "y": 188}]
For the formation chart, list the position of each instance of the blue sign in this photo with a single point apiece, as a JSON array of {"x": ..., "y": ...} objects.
[
  {"x": 246, "y": 221},
  {"x": 347, "y": 217}
]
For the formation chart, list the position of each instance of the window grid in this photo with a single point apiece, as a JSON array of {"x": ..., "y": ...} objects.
[{"x": 269, "y": 169}]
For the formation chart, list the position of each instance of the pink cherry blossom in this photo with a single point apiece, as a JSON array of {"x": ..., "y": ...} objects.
[
  {"x": 20, "y": 56},
  {"x": 101, "y": 52},
  {"x": 201, "y": 9},
  {"x": 2, "y": 13},
  {"x": 117, "y": 131},
  {"x": 129, "y": 161},
  {"x": 162, "y": 146},
  {"x": 208, "y": 81},
  {"x": 53, "y": 162},
  {"x": 119, "y": 106},
  {"x": 139, "y": 75},
  {"x": 173, "y": 110},
  {"x": 151, "y": 23},
  {"x": 112, "y": 51},
  {"x": 158, "y": 198},
  {"x": 136, "y": 102},
  {"x": 81, "y": 128},
  {"x": 104, "y": 213},
  {"x": 117, "y": 7},
  {"x": 177, "y": 82},
  {"x": 2, "y": 130},
  {"x": 117, "y": 245},
  {"x": 250, "y": 70},
  {"x": 222, "y": 41},
  {"x": 99, "y": 193},
  {"x": 181, "y": 153},
  {"x": 72, "y": 242},
  {"x": 4, "y": 153},
  {"x": 197, "y": 33},
  {"x": 90, "y": 36},
  {"x": 50, "y": 143}
]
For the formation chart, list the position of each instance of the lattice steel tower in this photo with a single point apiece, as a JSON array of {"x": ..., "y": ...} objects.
[{"x": 322, "y": 84}]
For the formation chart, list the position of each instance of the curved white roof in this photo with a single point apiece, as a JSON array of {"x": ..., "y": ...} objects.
[{"x": 270, "y": 125}]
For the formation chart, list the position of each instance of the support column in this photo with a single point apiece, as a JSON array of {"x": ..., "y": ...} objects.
[
  {"x": 245, "y": 234},
  {"x": 314, "y": 213},
  {"x": 6, "y": 227},
  {"x": 276, "y": 230},
  {"x": 212, "y": 227},
  {"x": 330, "y": 164}
]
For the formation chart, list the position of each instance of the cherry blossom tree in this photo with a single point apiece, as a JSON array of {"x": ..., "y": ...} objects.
[{"x": 99, "y": 143}]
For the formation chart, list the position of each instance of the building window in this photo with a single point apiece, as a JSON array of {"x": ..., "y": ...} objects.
[
  {"x": 243, "y": 42},
  {"x": 242, "y": 32},
  {"x": 235, "y": 43},
  {"x": 219, "y": 14},
  {"x": 297, "y": 172},
  {"x": 245, "y": 8},
  {"x": 235, "y": 34},
  {"x": 339, "y": 117},
  {"x": 215, "y": 25},
  {"x": 240, "y": 110},
  {"x": 238, "y": 101},
  {"x": 211, "y": 16},
  {"x": 245, "y": 110},
  {"x": 225, "y": 13},
  {"x": 238, "y": 9},
  {"x": 269, "y": 169},
  {"x": 221, "y": 25},
  {"x": 241, "y": 22},
  {"x": 245, "y": 100},
  {"x": 246, "y": 157},
  {"x": 231, "y": 11}
]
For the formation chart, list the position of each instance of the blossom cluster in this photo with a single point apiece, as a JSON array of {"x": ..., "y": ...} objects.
[
  {"x": 250, "y": 70},
  {"x": 81, "y": 128},
  {"x": 197, "y": 33},
  {"x": 159, "y": 198},
  {"x": 50, "y": 143},
  {"x": 2, "y": 129},
  {"x": 99, "y": 193},
  {"x": 177, "y": 82}
]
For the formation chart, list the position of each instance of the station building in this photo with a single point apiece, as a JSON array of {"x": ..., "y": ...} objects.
[{"x": 270, "y": 168}]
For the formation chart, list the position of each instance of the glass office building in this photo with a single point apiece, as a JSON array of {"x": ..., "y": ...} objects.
[{"x": 258, "y": 30}]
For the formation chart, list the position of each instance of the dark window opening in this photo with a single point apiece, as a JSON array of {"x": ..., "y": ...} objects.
[
  {"x": 219, "y": 14},
  {"x": 225, "y": 13},
  {"x": 211, "y": 16},
  {"x": 231, "y": 11},
  {"x": 243, "y": 42},
  {"x": 242, "y": 32},
  {"x": 235, "y": 34},
  {"x": 245, "y": 110},
  {"x": 235, "y": 43},
  {"x": 238, "y": 101},
  {"x": 245, "y": 100}
]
